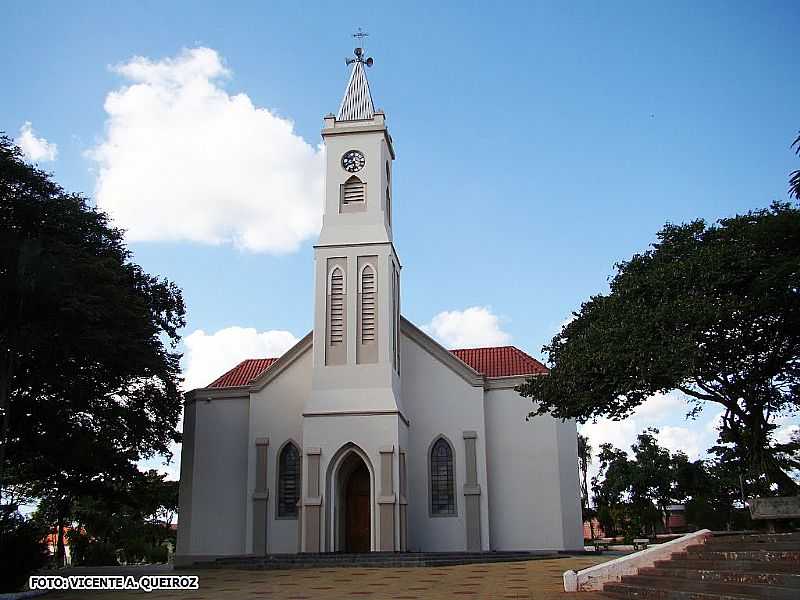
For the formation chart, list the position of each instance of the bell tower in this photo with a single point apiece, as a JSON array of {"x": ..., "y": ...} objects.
[
  {"x": 357, "y": 301},
  {"x": 353, "y": 421}
]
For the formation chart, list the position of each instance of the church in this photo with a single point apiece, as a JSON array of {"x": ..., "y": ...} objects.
[{"x": 368, "y": 435}]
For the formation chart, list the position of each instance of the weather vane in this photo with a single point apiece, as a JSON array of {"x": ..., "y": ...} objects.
[{"x": 359, "y": 51}]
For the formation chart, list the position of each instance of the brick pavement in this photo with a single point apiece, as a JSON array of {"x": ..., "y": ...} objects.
[{"x": 532, "y": 580}]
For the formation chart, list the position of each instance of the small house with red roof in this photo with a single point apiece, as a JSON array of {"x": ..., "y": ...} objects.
[{"x": 368, "y": 435}]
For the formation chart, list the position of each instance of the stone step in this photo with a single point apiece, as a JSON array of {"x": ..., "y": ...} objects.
[
  {"x": 767, "y": 592},
  {"x": 751, "y": 545},
  {"x": 625, "y": 591},
  {"x": 728, "y": 565},
  {"x": 787, "y": 580},
  {"x": 749, "y": 555},
  {"x": 735, "y": 538},
  {"x": 372, "y": 560}
]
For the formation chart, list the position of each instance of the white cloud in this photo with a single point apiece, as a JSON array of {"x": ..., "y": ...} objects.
[
  {"x": 209, "y": 355},
  {"x": 660, "y": 406},
  {"x": 181, "y": 159},
  {"x": 693, "y": 439},
  {"x": 35, "y": 148},
  {"x": 474, "y": 326},
  {"x": 785, "y": 433},
  {"x": 688, "y": 441}
]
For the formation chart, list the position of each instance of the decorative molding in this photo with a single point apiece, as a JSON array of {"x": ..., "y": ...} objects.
[
  {"x": 509, "y": 382},
  {"x": 313, "y": 451},
  {"x": 316, "y": 501},
  {"x": 208, "y": 394},
  {"x": 360, "y": 413},
  {"x": 386, "y": 449},
  {"x": 262, "y": 441},
  {"x": 387, "y": 499},
  {"x": 470, "y": 435},
  {"x": 442, "y": 354}
]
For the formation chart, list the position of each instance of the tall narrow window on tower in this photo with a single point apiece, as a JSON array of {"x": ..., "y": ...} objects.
[
  {"x": 353, "y": 195},
  {"x": 395, "y": 323},
  {"x": 367, "y": 351},
  {"x": 388, "y": 195},
  {"x": 388, "y": 207},
  {"x": 336, "y": 326}
]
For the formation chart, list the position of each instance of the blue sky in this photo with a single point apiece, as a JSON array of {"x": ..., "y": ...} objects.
[{"x": 537, "y": 144}]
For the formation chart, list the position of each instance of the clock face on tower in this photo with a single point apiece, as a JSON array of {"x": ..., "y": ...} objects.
[{"x": 353, "y": 161}]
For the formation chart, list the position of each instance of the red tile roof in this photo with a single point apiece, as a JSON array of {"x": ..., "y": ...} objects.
[
  {"x": 243, "y": 373},
  {"x": 502, "y": 361}
]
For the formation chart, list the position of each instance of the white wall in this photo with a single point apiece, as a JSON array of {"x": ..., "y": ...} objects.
[
  {"x": 528, "y": 476},
  {"x": 571, "y": 517},
  {"x": 369, "y": 433},
  {"x": 438, "y": 401},
  {"x": 277, "y": 413},
  {"x": 218, "y": 504}
]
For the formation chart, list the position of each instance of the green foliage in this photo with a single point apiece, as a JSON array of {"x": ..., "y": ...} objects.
[
  {"x": 130, "y": 522},
  {"x": 632, "y": 493},
  {"x": 710, "y": 310},
  {"x": 794, "y": 177},
  {"x": 22, "y": 550},
  {"x": 89, "y": 375}
]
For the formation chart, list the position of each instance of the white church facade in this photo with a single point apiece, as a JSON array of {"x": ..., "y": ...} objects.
[{"x": 368, "y": 435}]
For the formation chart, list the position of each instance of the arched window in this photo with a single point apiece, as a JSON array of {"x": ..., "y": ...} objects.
[
  {"x": 336, "y": 307},
  {"x": 443, "y": 494},
  {"x": 367, "y": 308},
  {"x": 352, "y": 191},
  {"x": 388, "y": 206},
  {"x": 288, "y": 480}
]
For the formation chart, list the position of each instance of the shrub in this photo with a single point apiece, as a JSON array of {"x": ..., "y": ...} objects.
[
  {"x": 88, "y": 552},
  {"x": 22, "y": 550}
]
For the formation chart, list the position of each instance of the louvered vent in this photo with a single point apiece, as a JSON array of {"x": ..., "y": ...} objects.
[
  {"x": 368, "y": 289},
  {"x": 336, "y": 317},
  {"x": 353, "y": 191}
]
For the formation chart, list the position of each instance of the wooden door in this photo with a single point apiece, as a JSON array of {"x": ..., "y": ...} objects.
[{"x": 357, "y": 521}]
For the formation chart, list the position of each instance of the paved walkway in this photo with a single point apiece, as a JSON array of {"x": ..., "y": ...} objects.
[{"x": 532, "y": 580}]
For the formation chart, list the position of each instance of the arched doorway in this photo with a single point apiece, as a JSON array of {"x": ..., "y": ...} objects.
[
  {"x": 352, "y": 511},
  {"x": 356, "y": 519}
]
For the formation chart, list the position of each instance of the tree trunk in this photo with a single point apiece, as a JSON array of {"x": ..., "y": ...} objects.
[
  {"x": 5, "y": 406},
  {"x": 61, "y": 554}
]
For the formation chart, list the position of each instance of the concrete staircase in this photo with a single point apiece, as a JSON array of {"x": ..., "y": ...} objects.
[
  {"x": 370, "y": 559},
  {"x": 727, "y": 567}
]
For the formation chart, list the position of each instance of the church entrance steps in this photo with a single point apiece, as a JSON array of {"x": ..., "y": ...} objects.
[
  {"x": 683, "y": 562},
  {"x": 752, "y": 576},
  {"x": 726, "y": 567},
  {"x": 722, "y": 539},
  {"x": 371, "y": 559}
]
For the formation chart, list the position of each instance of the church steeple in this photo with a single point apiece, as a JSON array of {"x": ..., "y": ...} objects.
[{"x": 357, "y": 101}]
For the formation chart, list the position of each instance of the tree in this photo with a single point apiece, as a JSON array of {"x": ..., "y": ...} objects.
[
  {"x": 89, "y": 375},
  {"x": 710, "y": 310},
  {"x": 794, "y": 176},
  {"x": 643, "y": 485}
]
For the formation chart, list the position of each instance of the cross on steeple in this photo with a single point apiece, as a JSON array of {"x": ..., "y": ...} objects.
[{"x": 359, "y": 51}]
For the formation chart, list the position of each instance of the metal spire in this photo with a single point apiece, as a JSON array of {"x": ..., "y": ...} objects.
[{"x": 357, "y": 102}]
